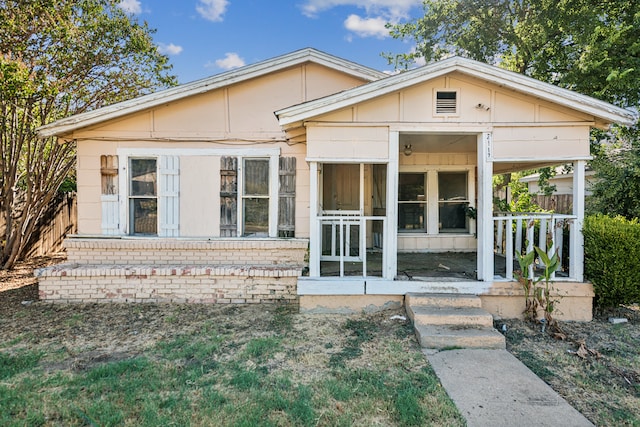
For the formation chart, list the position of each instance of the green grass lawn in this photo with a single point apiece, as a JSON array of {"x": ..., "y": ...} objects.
[{"x": 245, "y": 366}]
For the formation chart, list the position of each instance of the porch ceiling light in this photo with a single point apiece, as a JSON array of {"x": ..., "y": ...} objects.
[{"x": 407, "y": 150}]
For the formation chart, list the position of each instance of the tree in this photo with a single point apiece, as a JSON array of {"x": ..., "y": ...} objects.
[
  {"x": 616, "y": 190},
  {"x": 592, "y": 47},
  {"x": 58, "y": 58}
]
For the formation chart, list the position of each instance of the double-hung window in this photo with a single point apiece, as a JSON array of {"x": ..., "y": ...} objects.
[
  {"x": 143, "y": 196},
  {"x": 432, "y": 201},
  {"x": 412, "y": 202},
  {"x": 255, "y": 197}
]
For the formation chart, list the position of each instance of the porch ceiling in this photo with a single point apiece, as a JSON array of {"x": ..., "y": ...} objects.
[
  {"x": 439, "y": 143},
  {"x": 465, "y": 143},
  {"x": 510, "y": 167}
]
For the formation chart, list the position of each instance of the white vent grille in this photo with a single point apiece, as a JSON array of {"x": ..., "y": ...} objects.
[{"x": 446, "y": 102}]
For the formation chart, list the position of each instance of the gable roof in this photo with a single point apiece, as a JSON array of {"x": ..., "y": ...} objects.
[
  {"x": 292, "y": 116},
  {"x": 237, "y": 75}
]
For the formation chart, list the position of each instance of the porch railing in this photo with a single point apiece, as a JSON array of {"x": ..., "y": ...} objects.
[
  {"x": 344, "y": 237},
  {"x": 518, "y": 232}
]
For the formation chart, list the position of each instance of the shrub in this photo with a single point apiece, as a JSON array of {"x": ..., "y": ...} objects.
[{"x": 612, "y": 251}]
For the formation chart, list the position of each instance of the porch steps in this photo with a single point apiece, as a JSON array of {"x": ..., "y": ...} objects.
[{"x": 452, "y": 320}]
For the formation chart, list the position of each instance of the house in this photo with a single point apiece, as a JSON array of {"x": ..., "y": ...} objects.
[
  {"x": 561, "y": 200},
  {"x": 311, "y": 179}
]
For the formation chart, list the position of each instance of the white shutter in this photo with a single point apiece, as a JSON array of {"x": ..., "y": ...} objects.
[
  {"x": 168, "y": 200},
  {"x": 110, "y": 214},
  {"x": 110, "y": 223}
]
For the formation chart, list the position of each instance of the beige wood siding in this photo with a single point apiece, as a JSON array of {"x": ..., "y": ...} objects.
[
  {"x": 531, "y": 142},
  {"x": 343, "y": 142},
  {"x": 236, "y": 114},
  {"x": 199, "y": 196},
  {"x": 478, "y": 102}
]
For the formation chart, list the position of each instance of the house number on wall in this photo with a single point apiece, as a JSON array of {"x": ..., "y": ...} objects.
[{"x": 487, "y": 143}]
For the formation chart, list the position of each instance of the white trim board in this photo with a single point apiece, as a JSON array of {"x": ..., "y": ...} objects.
[{"x": 239, "y": 152}]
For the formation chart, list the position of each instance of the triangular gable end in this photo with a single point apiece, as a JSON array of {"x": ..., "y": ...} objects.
[
  {"x": 119, "y": 110},
  {"x": 603, "y": 112}
]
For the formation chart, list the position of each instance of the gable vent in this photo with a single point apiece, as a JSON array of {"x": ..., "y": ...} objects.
[{"x": 446, "y": 102}]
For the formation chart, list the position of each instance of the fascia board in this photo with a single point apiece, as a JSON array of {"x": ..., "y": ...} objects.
[{"x": 549, "y": 92}]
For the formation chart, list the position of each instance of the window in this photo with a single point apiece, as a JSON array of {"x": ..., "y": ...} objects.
[
  {"x": 453, "y": 201},
  {"x": 447, "y": 102},
  {"x": 255, "y": 197},
  {"x": 143, "y": 196},
  {"x": 433, "y": 201},
  {"x": 412, "y": 202}
]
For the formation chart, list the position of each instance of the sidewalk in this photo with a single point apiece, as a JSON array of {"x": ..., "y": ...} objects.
[{"x": 493, "y": 388}]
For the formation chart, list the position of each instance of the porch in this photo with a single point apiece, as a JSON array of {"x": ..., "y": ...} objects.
[
  {"x": 352, "y": 284},
  {"x": 514, "y": 233}
]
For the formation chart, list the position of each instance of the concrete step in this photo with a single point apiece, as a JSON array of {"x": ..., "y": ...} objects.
[
  {"x": 452, "y": 321},
  {"x": 463, "y": 316},
  {"x": 448, "y": 336},
  {"x": 443, "y": 300}
]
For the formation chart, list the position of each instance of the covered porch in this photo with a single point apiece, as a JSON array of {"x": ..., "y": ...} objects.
[{"x": 426, "y": 214}]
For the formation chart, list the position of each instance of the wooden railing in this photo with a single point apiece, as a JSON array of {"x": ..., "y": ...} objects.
[
  {"x": 518, "y": 232},
  {"x": 344, "y": 237}
]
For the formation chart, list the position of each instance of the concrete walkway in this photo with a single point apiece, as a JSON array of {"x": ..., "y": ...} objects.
[{"x": 493, "y": 388}]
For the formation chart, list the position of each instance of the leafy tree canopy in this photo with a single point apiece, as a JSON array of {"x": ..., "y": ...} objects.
[{"x": 58, "y": 58}]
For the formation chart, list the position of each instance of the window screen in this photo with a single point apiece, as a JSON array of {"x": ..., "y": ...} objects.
[
  {"x": 453, "y": 201},
  {"x": 255, "y": 197},
  {"x": 143, "y": 201}
]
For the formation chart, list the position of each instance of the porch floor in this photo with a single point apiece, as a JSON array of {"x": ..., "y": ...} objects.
[
  {"x": 424, "y": 266},
  {"x": 412, "y": 266}
]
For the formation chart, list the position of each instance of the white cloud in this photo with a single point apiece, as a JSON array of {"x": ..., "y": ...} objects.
[
  {"x": 169, "y": 49},
  {"x": 392, "y": 10},
  {"x": 367, "y": 27},
  {"x": 231, "y": 60},
  {"x": 212, "y": 10},
  {"x": 131, "y": 6},
  {"x": 420, "y": 61}
]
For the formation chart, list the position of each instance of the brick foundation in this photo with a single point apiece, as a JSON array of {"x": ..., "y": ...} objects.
[
  {"x": 230, "y": 251},
  {"x": 163, "y": 270}
]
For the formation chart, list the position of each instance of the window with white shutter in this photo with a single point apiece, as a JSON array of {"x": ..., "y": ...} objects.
[{"x": 143, "y": 196}]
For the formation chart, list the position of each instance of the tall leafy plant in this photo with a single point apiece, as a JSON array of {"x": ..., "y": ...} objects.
[{"x": 538, "y": 289}]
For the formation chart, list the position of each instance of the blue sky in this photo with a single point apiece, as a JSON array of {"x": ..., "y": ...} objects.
[{"x": 207, "y": 37}]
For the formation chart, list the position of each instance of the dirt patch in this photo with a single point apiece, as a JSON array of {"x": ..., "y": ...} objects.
[
  {"x": 19, "y": 283},
  {"x": 595, "y": 366}
]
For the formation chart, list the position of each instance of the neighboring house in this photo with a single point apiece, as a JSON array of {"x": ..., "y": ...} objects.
[
  {"x": 561, "y": 200},
  {"x": 201, "y": 193}
]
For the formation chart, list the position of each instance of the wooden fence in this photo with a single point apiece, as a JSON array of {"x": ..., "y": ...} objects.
[
  {"x": 59, "y": 220},
  {"x": 559, "y": 203}
]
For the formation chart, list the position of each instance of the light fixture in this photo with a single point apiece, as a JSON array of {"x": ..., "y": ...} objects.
[{"x": 407, "y": 150}]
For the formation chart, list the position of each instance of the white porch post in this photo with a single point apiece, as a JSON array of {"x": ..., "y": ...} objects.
[
  {"x": 314, "y": 227},
  {"x": 485, "y": 207},
  {"x": 390, "y": 244},
  {"x": 576, "y": 249}
]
